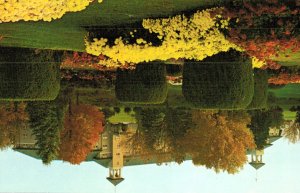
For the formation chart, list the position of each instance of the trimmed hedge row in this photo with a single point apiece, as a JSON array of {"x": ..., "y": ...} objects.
[
  {"x": 223, "y": 81},
  {"x": 28, "y": 75},
  {"x": 144, "y": 85},
  {"x": 260, "y": 98}
]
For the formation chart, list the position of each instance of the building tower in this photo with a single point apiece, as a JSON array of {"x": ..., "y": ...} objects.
[
  {"x": 115, "y": 168},
  {"x": 256, "y": 158}
]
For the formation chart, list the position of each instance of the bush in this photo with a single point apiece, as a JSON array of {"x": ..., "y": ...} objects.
[
  {"x": 29, "y": 75},
  {"x": 260, "y": 98},
  {"x": 223, "y": 81},
  {"x": 117, "y": 109},
  {"x": 145, "y": 85},
  {"x": 127, "y": 109}
]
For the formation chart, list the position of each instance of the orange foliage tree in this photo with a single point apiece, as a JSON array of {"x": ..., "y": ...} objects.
[
  {"x": 12, "y": 117},
  {"x": 284, "y": 78},
  {"x": 82, "y": 127},
  {"x": 80, "y": 60},
  {"x": 219, "y": 140},
  {"x": 264, "y": 28}
]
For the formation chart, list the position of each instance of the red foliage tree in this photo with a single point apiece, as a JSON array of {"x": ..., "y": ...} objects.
[
  {"x": 82, "y": 60},
  {"x": 82, "y": 127},
  {"x": 284, "y": 78},
  {"x": 264, "y": 28}
]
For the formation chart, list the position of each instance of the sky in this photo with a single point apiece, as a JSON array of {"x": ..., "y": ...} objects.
[{"x": 281, "y": 174}]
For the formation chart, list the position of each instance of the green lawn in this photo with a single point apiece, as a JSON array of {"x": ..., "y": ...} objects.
[
  {"x": 175, "y": 97},
  {"x": 68, "y": 33},
  {"x": 123, "y": 117},
  {"x": 292, "y": 60},
  {"x": 289, "y": 115},
  {"x": 289, "y": 91},
  {"x": 287, "y": 97}
]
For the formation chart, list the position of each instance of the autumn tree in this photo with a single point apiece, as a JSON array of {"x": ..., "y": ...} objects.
[
  {"x": 13, "y": 117},
  {"x": 219, "y": 140},
  {"x": 179, "y": 121},
  {"x": 264, "y": 29},
  {"x": 82, "y": 127},
  {"x": 292, "y": 130}
]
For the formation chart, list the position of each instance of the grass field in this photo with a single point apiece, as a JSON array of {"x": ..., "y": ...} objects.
[
  {"x": 287, "y": 97},
  {"x": 68, "y": 33},
  {"x": 123, "y": 117},
  {"x": 292, "y": 60},
  {"x": 289, "y": 91}
]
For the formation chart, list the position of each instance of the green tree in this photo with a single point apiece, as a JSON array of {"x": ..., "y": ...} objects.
[
  {"x": 46, "y": 121},
  {"x": 261, "y": 121},
  {"x": 160, "y": 132}
]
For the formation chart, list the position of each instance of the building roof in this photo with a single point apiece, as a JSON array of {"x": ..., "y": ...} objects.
[
  {"x": 32, "y": 152},
  {"x": 256, "y": 165},
  {"x": 274, "y": 138},
  {"x": 115, "y": 182},
  {"x": 267, "y": 145},
  {"x": 92, "y": 155}
]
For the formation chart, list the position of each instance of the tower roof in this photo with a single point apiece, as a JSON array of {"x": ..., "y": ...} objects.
[
  {"x": 115, "y": 182},
  {"x": 257, "y": 165}
]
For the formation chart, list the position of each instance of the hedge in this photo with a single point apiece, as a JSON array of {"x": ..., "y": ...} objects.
[
  {"x": 144, "y": 85},
  {"x": 223, "y": 81},
  {"x": 28, "y": 75},
  {"x": 260, "y": 98}
]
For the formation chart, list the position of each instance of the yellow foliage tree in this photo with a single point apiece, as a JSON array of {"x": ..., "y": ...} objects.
[
  {"x": 195, "y": 38},
  {"x": 35, "y": 10},
  {"x": 219, "y": 140},
  {"x": 292, "y": 132}
]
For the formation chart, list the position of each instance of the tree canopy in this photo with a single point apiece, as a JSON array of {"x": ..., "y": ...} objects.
[
  {"x": 82, "y": 127},
  {"x": 261, "y": 121},
  {"x": 219, "y": 140},
  {"x": 46, "y": 121},
  {"x": 13, "y": 117},
  {"x": 160, "y": 132}
]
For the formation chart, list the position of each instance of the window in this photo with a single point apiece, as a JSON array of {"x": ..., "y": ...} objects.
[{"x": 104, "y": 147}]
